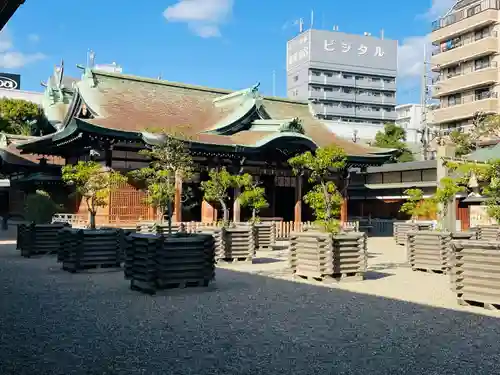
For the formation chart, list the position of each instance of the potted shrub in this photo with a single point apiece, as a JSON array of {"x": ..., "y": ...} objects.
[
  {"x": 325, "y": 253},
  {"x": 39, "y": 237},
  {"x": 237, "y": 243},
  {"x": 83, "y": 248},
  {"x": 253, "y": 197}
]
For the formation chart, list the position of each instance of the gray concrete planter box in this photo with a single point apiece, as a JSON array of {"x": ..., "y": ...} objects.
[
  {"x": 81, "y": 249},
  {"x": 38, "y": 239},
  {"x": 155, "y": 262},
  {"x": 238, "y": 244},
  {"x": 431, "y": 251},
  {"x": 476, "y": 267},
  {"x": 401, "y": 230},
  {"x": 325, "y": 256},
  {"x": 488, "y": 232},
  {"x": 159, "y": 228}
]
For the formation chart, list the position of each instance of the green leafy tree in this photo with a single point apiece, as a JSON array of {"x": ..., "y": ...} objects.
[
  {"x": 294, "y": 126},
  {"x": 39, "y": 207},
  {"x": 491, "y": 188},
  {"x": 217, "y": 188},
  {"x": 253, "y": 196},
  {"x": 169, "y": 159},
  {"x": 415, "y": 205},
  {"x": 394, "y": 136},
  {"x": 324, "y": 198},
  {"x": 482, "y": 127},
  {"x": 21, "y": 117},
  {"x": 93, "y": 183}
]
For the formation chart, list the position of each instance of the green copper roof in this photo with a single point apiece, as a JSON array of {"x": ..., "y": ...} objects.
[{"x": 485, "y": 154}]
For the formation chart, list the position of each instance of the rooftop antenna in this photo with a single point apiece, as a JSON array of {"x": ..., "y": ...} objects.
[
  {"x": 301, "y": 25},
  {"x": 382, "y": 34},
  {"x": 312, "y": 18},
  {"x": 159, "y": 77}
]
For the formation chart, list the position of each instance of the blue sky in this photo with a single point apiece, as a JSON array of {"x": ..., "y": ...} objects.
[{"x": 219, "y": 43}]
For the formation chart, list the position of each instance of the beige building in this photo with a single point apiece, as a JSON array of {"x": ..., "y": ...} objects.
[{"x": 466, "y": 55}]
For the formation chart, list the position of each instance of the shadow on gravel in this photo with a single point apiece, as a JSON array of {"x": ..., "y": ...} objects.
[{"x": 243, "y": 324}]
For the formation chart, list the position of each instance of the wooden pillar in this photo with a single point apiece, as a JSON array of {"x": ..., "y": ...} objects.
[
  {"x": 298, "y": 200},
  {"x": 343, "y": 210},
  {"x": 208, "y": 212},
  {"x": 236, "y": 206},
  {"x": 178, "y": 200}
]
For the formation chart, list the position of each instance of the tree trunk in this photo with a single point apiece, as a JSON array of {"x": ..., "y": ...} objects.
[
  {"x": 169, "y": 217},
  {"x": 254, "y": 214},
  {"x": 92, "y": 219},
  {"x": 225, "y": 211}
]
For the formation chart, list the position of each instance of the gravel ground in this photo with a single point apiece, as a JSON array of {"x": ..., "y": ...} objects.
[{"x": 53, "y": 322}]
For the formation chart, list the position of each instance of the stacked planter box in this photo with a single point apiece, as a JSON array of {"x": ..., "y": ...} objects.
[
  {"x": 37, "y": 239},
  {"x": 238, "y": 244},
  {"x": 264, "y": 235},
  {"x": 90, "y": 248},
  {"x": 428, "y": 250},
  {"x": 401, "y": 230},
  {"x": 219, "y": 240},
  {"x": 488, "y": 232},
  {"x": 177, "y": 261},
  {"x": 159, "y": 228},
  {"x": 477, "y": 273},
  {"x": 431, "y": 250},
  {"x": 324, "y": 256}
]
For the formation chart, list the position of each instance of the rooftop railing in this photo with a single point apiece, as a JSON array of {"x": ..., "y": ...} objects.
[{"x": 465, "y": 13}]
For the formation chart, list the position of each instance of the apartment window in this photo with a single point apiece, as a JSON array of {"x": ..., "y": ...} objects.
[
  {"x": 328, "y": 74},
  {"x": 377, "y": 94},
  {"x": 453, "y": 71},
  {"x": 347, "y": 91},
  {"x": 316, "y": 73},
  {"x": 482, "y": 63},
  {"x": 481, "y": 94},
  {"x": 473, "y": 10},
  {"x": 389, "y": 80},
  {"x": 454, "y": 99},
  {"x": 346, "y": 76},
  {"x": 481, "y": 34},
  {"x": 375, "y": 79},
  {"x": 316, "y": 88},
  {"x": 295, "y": 92},
  {"x": 327, "y": 89},
  {"x": 295, "y": 78}
]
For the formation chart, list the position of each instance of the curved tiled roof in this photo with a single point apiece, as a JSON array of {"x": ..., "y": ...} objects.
[{"x": 133, "y": 104}]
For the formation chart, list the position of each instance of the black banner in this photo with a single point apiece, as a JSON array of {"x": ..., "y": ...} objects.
[{"x": 10, "y": 81}]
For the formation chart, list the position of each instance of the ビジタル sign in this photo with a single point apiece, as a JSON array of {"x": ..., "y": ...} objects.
[{"x": 10, "y": 81}]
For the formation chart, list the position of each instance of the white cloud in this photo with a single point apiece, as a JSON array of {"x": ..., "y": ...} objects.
[
  {"x": 34, "y": 38},
  {"x": 411, "y": 49},
  {"x": 438, "y": 9},
  {"x": 203, "y": 17},
  {"x": 11, "y": 58}
]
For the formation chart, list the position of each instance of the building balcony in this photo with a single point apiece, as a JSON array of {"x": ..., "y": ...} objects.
[
  {"x": 380, "y": 84},
  {"x": 466, "y": 109},
  {"x": 372, "y": 99},
  {"x": 338, "y": 96},
  {"x": 465, "y": 52},
  {"x": 325, "y": 109},
  {"x": 375, "y": 115},
  {"x": 334, "y": 80},
  {"x": 463, "y": 21},
  {"x": 467, "y": 81}
]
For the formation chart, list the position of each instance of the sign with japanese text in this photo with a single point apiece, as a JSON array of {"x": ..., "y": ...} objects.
[{"x": 334, "y": 50}]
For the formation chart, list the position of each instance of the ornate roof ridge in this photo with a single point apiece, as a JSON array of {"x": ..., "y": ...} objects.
[{"x": 188, "y": 86}]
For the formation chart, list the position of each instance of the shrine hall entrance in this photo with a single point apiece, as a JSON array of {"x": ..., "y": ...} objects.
[{"x": 283, "y": 196}]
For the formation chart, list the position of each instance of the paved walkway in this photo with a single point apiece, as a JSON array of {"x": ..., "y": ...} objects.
[{"x": 53, "y": 322}]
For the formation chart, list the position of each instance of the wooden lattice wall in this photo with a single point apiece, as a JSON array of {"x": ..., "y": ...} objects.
[{"x": 126, "y": 203}]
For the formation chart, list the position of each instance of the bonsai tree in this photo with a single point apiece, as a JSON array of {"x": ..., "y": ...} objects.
[
  {"x": 216, "y": 189},
  {"x": 416, "y": 205},
  {"x": 324, "y": 198},
  {"x": 253, "y": 196},
  {"x": 39, "y": 207},
  {"x": 169, "y": 159},
  {"x": 93, "y": 183}
]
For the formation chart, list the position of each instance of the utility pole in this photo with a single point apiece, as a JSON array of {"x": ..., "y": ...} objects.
[{"x": 424, "y": 103}]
